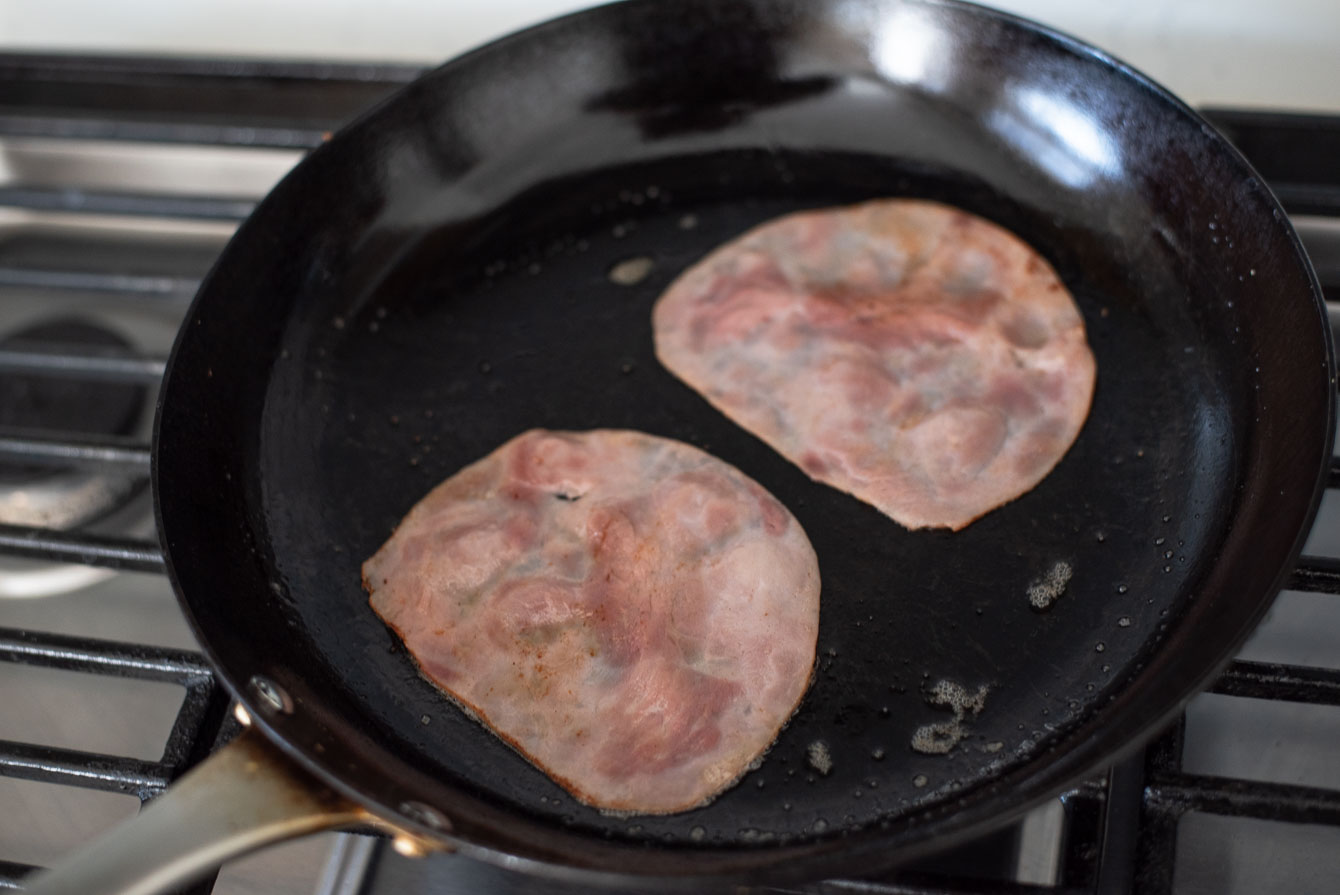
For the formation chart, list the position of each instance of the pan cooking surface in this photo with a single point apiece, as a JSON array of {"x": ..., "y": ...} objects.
[
  {"x": 473, "y": 338},
  {"x": 480, "y": 257}
]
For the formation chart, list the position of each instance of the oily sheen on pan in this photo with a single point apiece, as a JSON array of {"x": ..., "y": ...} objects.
[
  {"x": 633, "y": 615},
  {"x": 918, "y": 357}
]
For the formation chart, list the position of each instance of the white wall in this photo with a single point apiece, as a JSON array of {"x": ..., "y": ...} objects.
[{"x": 1283, "y": 53}]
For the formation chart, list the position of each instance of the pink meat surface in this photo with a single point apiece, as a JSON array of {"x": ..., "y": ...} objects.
[
  {"x": 633, "y": 615},
  {"x": 918, "y": 357}
]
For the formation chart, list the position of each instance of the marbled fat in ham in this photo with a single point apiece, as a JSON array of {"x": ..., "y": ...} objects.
[
  {"x": 633, "y": 615},
  {"x": 913, "y": 355}
]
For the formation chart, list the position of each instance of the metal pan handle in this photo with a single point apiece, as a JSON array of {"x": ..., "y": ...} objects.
[{"x": 246, "y": 795}]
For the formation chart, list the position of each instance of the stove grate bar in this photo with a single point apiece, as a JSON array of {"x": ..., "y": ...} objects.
[
  {"x": 1176, "y": 794},
  {"x": 228, "y": 102},
  {"x": 1156, "y": 845},
  {"x": 127, "y": 554},
  {"x": 72, "y": 128},
  {"x": 1320, "y": 574},
  {"x": 105, "y": 657},
  {"x": 12, "y": 874},
  {"x": 1285, "y": 683},
  {"x": 1315, "y": 199},
  {"x": 90, "y": 770},
  {"x": 120, "y": 284},
  {"x": 85, "y": 365},
  {"x": 933, "y": 885},
  {"x": 204, "y": 208},
  {"x": 1085, "y": 818},
  {"x": 199, "y": 724},
  {"x": 1294, "y": 152},
  {"x": 114, "y": 452},
  {"x": 203, "y": 722},
  {"x": 1157, "y": 852}
]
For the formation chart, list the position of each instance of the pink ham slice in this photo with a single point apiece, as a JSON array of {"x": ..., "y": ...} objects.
[
  {"x": 633, "y": 615},
  {"x": 915, "y": 356}
]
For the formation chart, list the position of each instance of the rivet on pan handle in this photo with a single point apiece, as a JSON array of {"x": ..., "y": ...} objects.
[{"x": 245, "y": 796}]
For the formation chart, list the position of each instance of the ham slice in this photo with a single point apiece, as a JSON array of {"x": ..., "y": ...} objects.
[
  {"x": 920, "y": 358},
  {"x": 633, "y": 615}
]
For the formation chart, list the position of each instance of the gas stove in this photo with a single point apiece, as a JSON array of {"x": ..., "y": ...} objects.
[{"x": 121, "y": 179}]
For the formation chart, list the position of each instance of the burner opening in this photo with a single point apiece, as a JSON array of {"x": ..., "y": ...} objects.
[{"x": 66, "y": 406}]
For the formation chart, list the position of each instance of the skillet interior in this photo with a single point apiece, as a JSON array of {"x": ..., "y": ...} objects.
[{"x": 435, "y": 280}]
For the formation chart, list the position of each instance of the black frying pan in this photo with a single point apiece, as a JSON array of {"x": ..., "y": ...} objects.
[{"x": 435, "y": 280}]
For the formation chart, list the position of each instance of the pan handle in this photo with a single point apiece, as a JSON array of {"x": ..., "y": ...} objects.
[{"x": 246, "y": 795}]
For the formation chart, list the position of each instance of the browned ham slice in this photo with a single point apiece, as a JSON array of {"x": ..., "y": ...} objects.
[
  {"x": 633, "y": 615},
  {"x": 913, "y": 355}
]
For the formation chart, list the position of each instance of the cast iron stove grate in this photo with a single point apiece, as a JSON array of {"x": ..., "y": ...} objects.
[{"x": 1120, "y": 832}]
